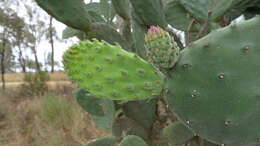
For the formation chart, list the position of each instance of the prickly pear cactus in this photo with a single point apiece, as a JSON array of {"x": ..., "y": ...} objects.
[
  {"x": 177, "y": 133},
  {"x": 162, "y": 50},
  {"x": 108, "y": 71},
  {"x": 215, "y": 87}
]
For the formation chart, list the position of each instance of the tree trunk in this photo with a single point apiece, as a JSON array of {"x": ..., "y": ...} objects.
[
  {"x": 21, "y": 59},
  {"x": 3, "y": 65},
  {"x": 38, "y": 68},
  {"x": 52, "y": 45}
]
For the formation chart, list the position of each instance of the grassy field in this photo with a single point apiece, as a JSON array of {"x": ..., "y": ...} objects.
[
  {"x": 57, "y": 79},
  {"x": 18, "y": 77},
  {"x": 52, "y": 119}
]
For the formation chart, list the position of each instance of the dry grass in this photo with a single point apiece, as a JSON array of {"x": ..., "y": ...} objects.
[
  {"x": 51, "y": 84},
  {"x": 57, "y": 79},
  {"x": 18, "y": 77},
  {"x": 29, "y": 122}
]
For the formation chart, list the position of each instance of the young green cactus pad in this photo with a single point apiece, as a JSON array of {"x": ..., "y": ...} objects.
[
  {"x": 108, "y": 71},
  {"x": 162, "y": 50},
  {"x": 215, "y": 87}
]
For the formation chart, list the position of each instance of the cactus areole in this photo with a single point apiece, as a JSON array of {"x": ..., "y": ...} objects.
[
  {"x": 108, "y": 71},
  {"x": 215, "y": 87}
]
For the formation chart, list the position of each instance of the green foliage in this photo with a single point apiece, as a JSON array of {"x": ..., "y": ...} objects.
[
  {"x": 108, "y": 71},
  {"x": 213, "y": 87},
  {"x": 133, "y": 140},
  {"x": 35, "y": 83}
]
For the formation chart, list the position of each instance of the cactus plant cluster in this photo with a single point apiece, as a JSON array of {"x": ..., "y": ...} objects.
[{"x": 140, "y": 81}]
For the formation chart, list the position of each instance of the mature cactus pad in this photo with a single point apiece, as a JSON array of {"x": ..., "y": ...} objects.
[
  {"x": 162, "y": 50},
  {"x": 215, "y": 87},
  {"x": 110, "y": 72},
  {"x": 132, "y": 140},
  {"x": 177, "y": 133}
]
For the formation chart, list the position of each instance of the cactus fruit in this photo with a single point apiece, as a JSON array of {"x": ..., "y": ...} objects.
[
  {"x": 214, "y": 87},
  {"x": 162, "y": 50},
  {"x": 108, "y": 71}
]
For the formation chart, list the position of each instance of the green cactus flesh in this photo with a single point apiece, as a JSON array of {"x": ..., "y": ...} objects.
[
  {"x": 215, "y": 87},
  {"x": 108, "y": 71},
  {"x": 143, "y": 112},
  {"x": 150, "y": 12},
  {"x": 177, "y": 133},
  {"x": 123, "y": 126},
  {"x": 132, "y": 140},
  {"x": 162, "y": 50},
  {"x": 106, "y": 141},
  {"x": 89, "y": 103}
]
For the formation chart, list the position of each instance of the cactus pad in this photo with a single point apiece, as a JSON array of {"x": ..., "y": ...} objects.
[
  {"x": 106, "y": 141},
  {"x": 123, "y": 126},
  {"x": 89, "y": 103},
  {"x": 108, "y": 71},
  {"x": 177, "y": 133},
  {"x": 132, "y": 140},
  {"x": 162, "y": 50},
  {"x": 215, "y": 86}
]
